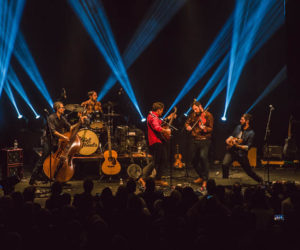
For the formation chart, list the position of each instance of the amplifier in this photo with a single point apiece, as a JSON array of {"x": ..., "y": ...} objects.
[
  {"x": 12, "y": 162},
  {"x": 273, "y": 152}
]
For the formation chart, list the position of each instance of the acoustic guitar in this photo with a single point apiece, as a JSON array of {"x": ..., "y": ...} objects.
[
  {"x": 233, "y": 142},
  {"x": 290, "y": 146},
  {"x": 178, "y": 163},
  {"x": 110, "y": 166}
]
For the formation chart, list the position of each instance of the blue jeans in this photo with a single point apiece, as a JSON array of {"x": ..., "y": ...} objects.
[{"x": 198, "y": 157}]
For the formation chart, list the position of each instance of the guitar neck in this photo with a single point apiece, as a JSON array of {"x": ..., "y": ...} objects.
[{"x": 109, "y": 140}]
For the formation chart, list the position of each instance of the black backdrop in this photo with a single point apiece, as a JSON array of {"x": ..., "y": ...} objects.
[{"x": 67, "y": 58}]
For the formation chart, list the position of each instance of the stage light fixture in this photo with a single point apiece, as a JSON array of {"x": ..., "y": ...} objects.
[
  {"x": 143, "y": 119},
  {"x": 37, "y": 116},
  {"x": 20, "y": 116},
  {"x": 223, "y": 118},
  {"x": 154, "y": 21},
  {"x": 92, "y": 15},
  {"x": 10, "y": 16}
]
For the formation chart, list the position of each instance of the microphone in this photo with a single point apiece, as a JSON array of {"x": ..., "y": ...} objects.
[
  {"x": 46, "y": 111},
  {"x": 271, "y": 107},
  {"x": 64, "y": 94}
]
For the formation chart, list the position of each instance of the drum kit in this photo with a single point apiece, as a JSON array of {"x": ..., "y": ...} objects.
[{"x": 93, "y": 134}]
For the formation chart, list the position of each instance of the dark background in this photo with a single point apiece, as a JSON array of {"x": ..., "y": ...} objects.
[{"x": 67, "y": 58}]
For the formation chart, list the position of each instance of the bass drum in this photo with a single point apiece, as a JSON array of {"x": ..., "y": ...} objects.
[{"x": 89, "y": 141}]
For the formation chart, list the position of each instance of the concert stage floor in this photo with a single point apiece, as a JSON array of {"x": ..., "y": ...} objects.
[{"x": 277, "y": 173}]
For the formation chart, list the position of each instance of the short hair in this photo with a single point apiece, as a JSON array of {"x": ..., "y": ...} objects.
[
  {"x": 248, "y": 117},
  {"x": 90, "y": 93},
  {"x": 56, "y": 105},
  {"x": 195, "y": 102},
  {"x": 157, "y": 105}
]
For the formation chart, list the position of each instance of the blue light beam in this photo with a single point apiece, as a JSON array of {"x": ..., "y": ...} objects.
[
  {"x": 240, "y": 50},
  {"x": 15, "y": 82},
  {"x": 154, "y": 21},
  {"x": 11, "y": 97},
  {"x": 91, "y": 14},
  {"x": 273, "y": 21},
  {"x": 10, "y": 17},
  {"x": 25, "y": 58},
  {"x": 216, "y": 51},
  {"x": 271, "y": 86}
]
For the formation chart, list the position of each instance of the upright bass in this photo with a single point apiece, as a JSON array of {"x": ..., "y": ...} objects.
[{"x": 59, "y": 165}]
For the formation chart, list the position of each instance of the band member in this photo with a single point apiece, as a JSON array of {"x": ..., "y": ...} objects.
[
  {"x": 92, "y": 104},
  {"x": 57, "y": 126},
  {"x": 200, "y": 124},
  {"x": 156, "y": 144},
  {"x": 238, "y": 145}
]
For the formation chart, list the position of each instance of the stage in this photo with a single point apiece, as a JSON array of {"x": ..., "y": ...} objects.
[{"x": 277, "y": 173}]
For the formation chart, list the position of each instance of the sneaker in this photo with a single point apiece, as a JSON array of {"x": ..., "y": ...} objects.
[
  {"x": 161, "y": 183},
  {"x": 32, "y": 182},
  {"x": 142, "y": 183},
  {"x": 198, "y": 181}
]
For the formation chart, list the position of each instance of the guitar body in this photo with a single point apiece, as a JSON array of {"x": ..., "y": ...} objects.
[
  {"x": 110, "y": 166},
  {"x": 59, "y": 165},
  {"x": 178, "y": 163},
  {"x": 234, "y": 141},
  {"x": 164, "y": 135}
]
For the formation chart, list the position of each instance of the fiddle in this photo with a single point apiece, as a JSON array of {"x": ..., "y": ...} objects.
[{"x": 178, "y": 163}]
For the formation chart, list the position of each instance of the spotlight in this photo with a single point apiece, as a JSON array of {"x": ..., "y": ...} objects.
[
  {"x": 143, "y": 119},
  {"x": 37, "y": 116},
  {"x": 185, "y": 114},
  {"x": 223, "y": 118},
  {"x": 20, "y": 116}
]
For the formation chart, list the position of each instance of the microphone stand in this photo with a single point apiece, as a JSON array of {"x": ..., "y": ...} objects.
[
  {"x": 266, "y": 142},
  {"x": 50, "y": 144}
]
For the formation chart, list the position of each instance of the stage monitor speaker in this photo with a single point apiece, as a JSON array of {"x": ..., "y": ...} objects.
[
  {"x": 273, "y": 152},
  {"x": 12, "y": 162},
  {"x": 252, "y": 157}
]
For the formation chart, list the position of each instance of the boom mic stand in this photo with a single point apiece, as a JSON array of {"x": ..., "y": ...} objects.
[{"x": 266, "y": 142}]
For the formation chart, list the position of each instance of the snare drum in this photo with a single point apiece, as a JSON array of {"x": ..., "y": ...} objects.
[
  {"x": 96, "y": 121},
  {"x": 89, "y": 141}
]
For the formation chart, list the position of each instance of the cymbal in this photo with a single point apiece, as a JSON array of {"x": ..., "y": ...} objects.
[
  {"x": 79, "y": 109},
  {"x": 109, "y": 104},
  {"x": 111, "y": 114},
  {"x": 72, "y": 107}
]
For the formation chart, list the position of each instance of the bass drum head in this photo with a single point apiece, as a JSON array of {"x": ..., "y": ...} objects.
[{"x": 89, "y": 142}]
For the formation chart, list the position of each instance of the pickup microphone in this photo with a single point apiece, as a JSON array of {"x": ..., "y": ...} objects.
[{"x": 271, "y": 107}]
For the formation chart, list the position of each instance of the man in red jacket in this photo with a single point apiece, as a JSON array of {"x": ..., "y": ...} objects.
[{"x": 156, "y": 143}]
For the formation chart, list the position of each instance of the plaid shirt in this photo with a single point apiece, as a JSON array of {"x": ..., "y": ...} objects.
[
  {"x": 91, "y": 106},
  {"x": 197, "y": 132}
]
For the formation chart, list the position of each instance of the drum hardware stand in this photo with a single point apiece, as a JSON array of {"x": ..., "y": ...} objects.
[{"x": 266, "y": 141}]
